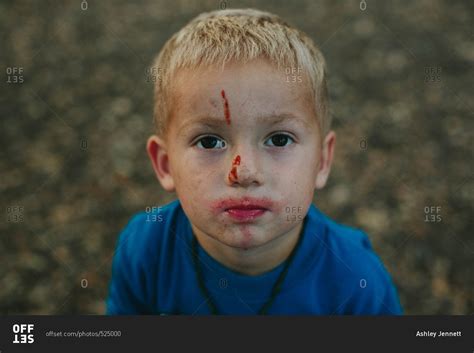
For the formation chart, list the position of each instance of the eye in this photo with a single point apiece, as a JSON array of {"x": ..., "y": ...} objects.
[
  {"x": 280, "y": 140},
  {"x": 209, "y": 142}
]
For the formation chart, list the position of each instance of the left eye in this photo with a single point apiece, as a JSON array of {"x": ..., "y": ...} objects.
[{"x": 280, "y": 140}]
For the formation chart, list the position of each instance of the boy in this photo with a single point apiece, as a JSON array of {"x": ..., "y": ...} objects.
[{"x": 243, "y": 138}]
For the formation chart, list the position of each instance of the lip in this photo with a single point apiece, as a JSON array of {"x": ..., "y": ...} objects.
[
  {"x": 245, "y": 214},
  {"x": 246, "y": 208},
  {"x": 244, "y": 203}
]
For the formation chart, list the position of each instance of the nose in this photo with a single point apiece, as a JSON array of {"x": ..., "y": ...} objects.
[{"x": 244, "y": 169}]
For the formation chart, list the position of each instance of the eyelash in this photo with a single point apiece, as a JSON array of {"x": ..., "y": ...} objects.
[{"x": 218, "y": 138}]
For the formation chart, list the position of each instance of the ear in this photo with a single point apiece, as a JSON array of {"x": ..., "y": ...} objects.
[
  {"x": 159, "y": 157},
  {"x": 326, "y": 158}
]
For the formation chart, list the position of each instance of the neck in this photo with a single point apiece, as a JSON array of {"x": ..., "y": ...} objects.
[{"x": 252, "y": 261}]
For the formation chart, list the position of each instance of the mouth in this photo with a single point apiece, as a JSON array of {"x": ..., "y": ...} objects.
[
  {"x": 245, "y": 213},
  {"x": 245, "y": 209}
]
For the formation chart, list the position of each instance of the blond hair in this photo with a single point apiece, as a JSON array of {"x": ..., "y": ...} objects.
[{"x": 217, "y": 37}]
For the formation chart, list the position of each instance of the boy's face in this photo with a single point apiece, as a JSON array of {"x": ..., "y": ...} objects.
[{"x": 242, "y": 138}]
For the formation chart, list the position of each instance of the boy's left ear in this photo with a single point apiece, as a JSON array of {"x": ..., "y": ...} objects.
[{"x": 326, "y": 158}]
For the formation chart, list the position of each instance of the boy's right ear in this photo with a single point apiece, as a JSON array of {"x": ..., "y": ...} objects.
[{"x": 159, "y": 157}]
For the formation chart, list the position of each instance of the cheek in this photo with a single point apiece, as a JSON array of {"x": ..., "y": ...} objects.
[
  {"x": 296, "y": 179},
  {"x": 190, "y": 168},
  {"x": 292, "y": 169},
  {"x": 195, "y": 178}
]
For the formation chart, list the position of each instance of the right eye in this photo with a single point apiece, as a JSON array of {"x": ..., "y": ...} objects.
[{"x": 209, "y": 142}]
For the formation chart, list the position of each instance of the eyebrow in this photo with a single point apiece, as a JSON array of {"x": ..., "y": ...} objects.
[{"x": 211, "y": 121}]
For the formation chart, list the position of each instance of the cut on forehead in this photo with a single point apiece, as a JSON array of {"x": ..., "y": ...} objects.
[
  {"x": 238, "y": 35},
  {"x": 255, "y": 90}
]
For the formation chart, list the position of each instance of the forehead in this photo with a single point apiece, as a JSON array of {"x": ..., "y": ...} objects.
[{"x": 254, "y": 92}]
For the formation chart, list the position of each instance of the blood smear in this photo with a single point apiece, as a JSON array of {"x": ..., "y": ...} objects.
[
  {"x": 236, "y": 160},
  {"x": 233, "y": 172},
  {"x": 226, "y": 107}
]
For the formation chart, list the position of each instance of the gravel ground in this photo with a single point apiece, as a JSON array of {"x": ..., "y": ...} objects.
[{"x": 76, "y": 112}]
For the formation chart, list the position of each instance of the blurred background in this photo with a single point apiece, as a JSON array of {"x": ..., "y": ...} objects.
[{"x": 76, "y": 109}]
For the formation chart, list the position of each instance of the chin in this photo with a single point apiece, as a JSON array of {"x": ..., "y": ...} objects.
[{"x": 243, "y": 237}]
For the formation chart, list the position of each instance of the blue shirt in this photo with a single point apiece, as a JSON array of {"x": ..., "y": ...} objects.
[{"x": 334, "y": 272}]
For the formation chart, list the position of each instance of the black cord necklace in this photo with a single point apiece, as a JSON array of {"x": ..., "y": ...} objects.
[{"x": 275, "y": 290}]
